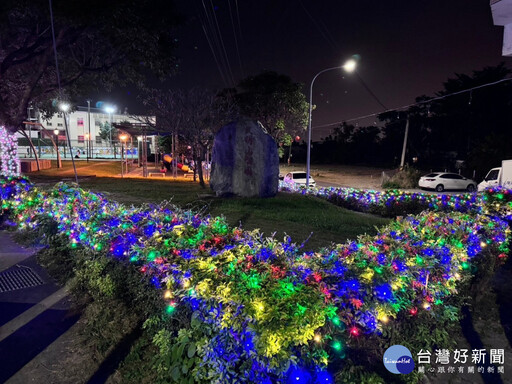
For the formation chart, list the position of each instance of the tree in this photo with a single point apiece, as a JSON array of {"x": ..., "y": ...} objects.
[
  {"x": 106, "y": 132},
  {"x": 194, "y": 116},
  {"x": 98, "y": 43},
  {"x": 469, "y": 126},
  {"x": 276, "y": 101}
]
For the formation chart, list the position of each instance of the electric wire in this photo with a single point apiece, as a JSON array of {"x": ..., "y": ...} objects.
[
  {"x": 230, "y": 72},
  {"x": 60, "y": 89},
  {"x": 55, "y": 49},
  {"x": 215, "y": 39},
  {"x": 369, "y": 90},
  {"x": 238, "y": 18},
  {"x": 325, "y": 33},
  {"x": 414, "y": 104},
  {"x": 236, "y": 40},
  {"x": 330, "y": 39},
  {"x": 210, "y": 44}
]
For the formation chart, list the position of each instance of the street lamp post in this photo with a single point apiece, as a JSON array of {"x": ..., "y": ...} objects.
[
  {"x": 87, "y": 138},
  {"x": 123, "y": 138},
  {"x": 89, "y": 144},
  {"x": 56, "y": 132},
  {"x": 349, "y": 66},
  {"x": 110, "y": 110},
  {"x": 65, "y": 108}
]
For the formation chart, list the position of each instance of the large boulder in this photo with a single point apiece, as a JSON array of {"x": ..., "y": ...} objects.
[{"x": 245, "y": 161}]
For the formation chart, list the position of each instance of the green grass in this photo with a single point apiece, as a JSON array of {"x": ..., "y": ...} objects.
[
  {"x": 299, "y": 217},
  {"x": 295, "y": 215}
]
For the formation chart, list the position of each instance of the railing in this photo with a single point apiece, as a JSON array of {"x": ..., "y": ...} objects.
[{"x": 80, "y": 149}]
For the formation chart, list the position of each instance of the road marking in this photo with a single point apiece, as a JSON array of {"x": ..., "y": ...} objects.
[{"x": 30, "y": 314}]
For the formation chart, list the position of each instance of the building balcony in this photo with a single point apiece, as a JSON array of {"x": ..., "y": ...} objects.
[{"x": 502, "y": 15}]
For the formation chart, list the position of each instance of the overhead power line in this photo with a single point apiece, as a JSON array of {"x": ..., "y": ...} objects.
[
  {"x": 236, "y": 40},
  {"x": 414, "y": 104}
]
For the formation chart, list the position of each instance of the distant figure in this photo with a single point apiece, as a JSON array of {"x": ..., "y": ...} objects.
[
  {"x": 288, "y": 178},
  {"x": 77, "y": 156}
]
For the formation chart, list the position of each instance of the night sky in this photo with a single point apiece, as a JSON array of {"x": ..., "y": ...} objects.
[{"x": 407, "y": 48}]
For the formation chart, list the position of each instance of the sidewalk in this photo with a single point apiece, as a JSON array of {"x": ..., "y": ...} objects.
[{"x": 34, "y": 312}]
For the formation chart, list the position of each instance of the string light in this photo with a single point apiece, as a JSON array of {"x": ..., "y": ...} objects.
[
  {"x": 242, "y": 282},
  {"x": 9, "y": 153}
]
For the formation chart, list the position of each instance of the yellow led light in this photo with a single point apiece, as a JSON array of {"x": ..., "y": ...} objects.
[
  {"x": 318, "y": 338},
  {"x": 168, "y": 294}
]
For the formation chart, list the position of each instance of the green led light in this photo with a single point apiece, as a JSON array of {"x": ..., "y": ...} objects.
[
  {"x": 337, "y": 346},
  {"x": 170, "y": 309}
]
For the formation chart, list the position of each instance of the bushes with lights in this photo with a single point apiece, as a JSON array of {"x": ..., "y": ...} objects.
[
  {"x": 392, "y": 203},
  {"x": 243, "y": 308}
]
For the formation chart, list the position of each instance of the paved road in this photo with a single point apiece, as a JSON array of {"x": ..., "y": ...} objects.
[{"x": 32, "y": 315}]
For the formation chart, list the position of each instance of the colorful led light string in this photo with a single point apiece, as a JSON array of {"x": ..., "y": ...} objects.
[
  {"x": 9, "y": 153},
  {"x": 266, "y": 301},
  {"x": 387, "y": 202}
]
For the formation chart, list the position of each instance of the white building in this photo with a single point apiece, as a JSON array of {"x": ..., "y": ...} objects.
[
  {"x": 502, "y": 15},
  {"x": 84, "y": 133}
]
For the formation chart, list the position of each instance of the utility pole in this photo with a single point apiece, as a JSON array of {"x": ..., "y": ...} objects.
[
  {"x": 402, "y": 161},
  {"x": 89, "y": 147}
]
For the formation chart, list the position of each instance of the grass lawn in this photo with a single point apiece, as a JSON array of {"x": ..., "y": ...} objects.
[
  {"x": 295, "y": 215},
  {"x": 83, "y": 168}
]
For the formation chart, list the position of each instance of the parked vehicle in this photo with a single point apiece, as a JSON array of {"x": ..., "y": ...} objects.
[
  {"x": 298, "y": 178},
  {"x": 501, "y": 176},
  {"x": 440, "y": 181}
]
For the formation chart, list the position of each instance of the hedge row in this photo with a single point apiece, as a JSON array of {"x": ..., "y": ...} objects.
[{"x": 247, "y": 309}]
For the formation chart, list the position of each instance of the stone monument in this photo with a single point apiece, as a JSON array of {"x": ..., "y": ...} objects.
[{"x": 245, "y": 161}]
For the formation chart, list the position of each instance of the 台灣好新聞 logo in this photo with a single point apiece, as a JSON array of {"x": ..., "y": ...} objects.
[{"x": 398, "y": 359}]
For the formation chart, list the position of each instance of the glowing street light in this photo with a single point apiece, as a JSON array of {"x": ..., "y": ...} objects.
[
  {"x": 123, "y": 138},
  {"x": 349, "y": 66},
  {"x": 110, "y": 109},
  {"x": 56, "y": 133},
  {"x": 64, "y": 107}
]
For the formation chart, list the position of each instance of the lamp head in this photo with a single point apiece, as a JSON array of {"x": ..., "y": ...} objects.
[
  {"x": 110, "y": 109},
  {"x": 123, "y": 137},
  {"x": 350, "y": 65},
  {"x": 56, "y": 132},
  {"x": 64, "y": 107}
]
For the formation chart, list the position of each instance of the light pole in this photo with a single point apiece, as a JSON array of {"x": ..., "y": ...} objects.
[
  {"x": 123, "y": 138},
  {"x": 110, "y": 110},
  {"x": 89, "y": 143},
  {"x": 56, "y": 132},
  {"x": 64, "y": 108},
  {"x": 349, "y": 66},
  {"x": 87, "y": 138}
]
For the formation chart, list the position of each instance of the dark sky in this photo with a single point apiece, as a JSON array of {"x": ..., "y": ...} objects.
[{"x": 407, "y": 48}]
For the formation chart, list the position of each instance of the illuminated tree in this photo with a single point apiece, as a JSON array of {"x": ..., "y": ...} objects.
[{"x": 98, "y": 43}]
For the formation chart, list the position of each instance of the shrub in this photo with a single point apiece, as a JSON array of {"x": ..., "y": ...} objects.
[
  {"x": 407, "y": 177},
  {"x": 223, "y": 305}
]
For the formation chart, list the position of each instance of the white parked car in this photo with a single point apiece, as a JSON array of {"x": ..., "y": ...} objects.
[
  {"x": 440, "y": 181},
  {"x": 299, "y": 178}
]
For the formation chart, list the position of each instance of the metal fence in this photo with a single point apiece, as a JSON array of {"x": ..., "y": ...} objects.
[{"x": 45, "y": 149}]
